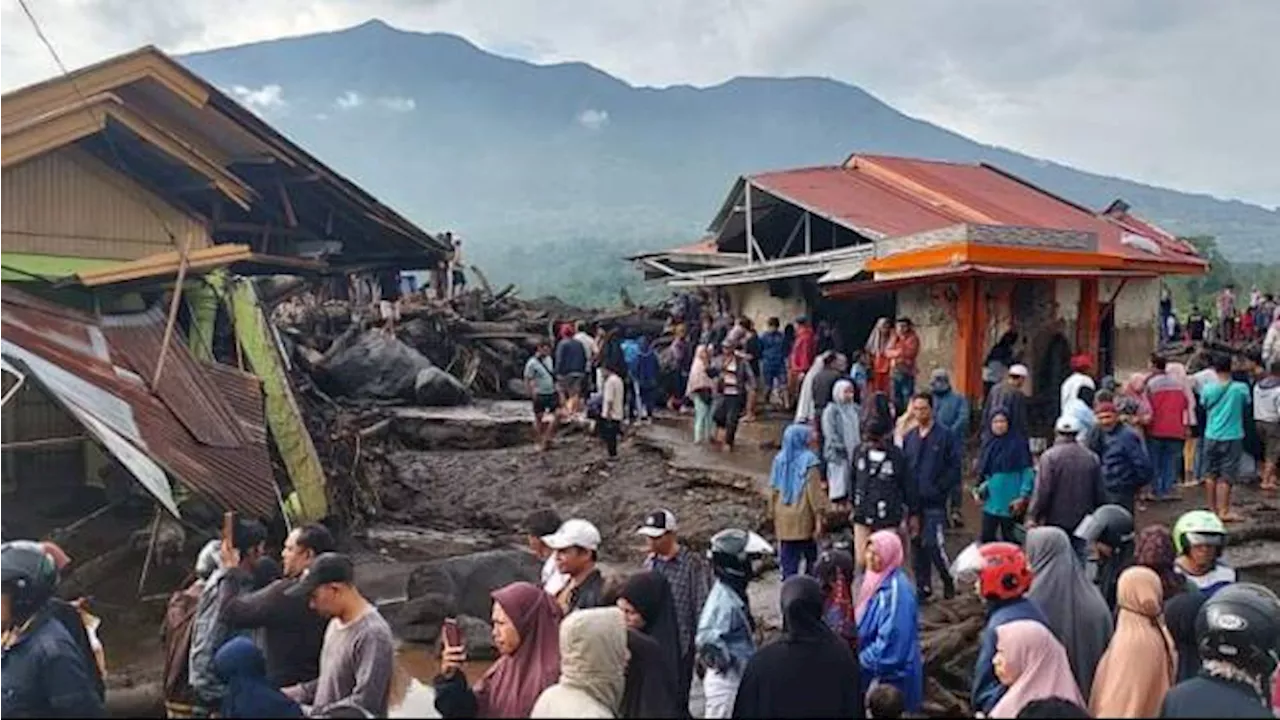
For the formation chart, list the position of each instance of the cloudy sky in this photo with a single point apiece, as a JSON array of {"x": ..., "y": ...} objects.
[{"x": 1182, "y": 93}]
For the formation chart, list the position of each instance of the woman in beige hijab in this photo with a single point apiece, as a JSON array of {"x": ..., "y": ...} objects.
[
  {"x": 593, "y": 664},
  {"x": 1140, "y": 664}
]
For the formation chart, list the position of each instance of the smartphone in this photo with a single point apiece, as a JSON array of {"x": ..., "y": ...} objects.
[
  {"x": 452, "y": 633},
  {"x": 229, "y": 527}
]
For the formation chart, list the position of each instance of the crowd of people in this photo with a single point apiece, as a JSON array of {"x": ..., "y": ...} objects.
[{"x": 1233, "y": 321}]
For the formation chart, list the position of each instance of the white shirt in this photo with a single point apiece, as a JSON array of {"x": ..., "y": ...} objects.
[
  {"x": 589, "y": 343},
  {"x": 553, "y": 581},
  {"x": 1071, "y": 388}
]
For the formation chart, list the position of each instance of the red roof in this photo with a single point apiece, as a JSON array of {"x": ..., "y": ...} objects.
[{"x": 894, "y": 196}]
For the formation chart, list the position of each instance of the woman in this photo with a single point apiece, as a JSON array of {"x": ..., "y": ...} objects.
[
  {"x": 797, "y": 501},
  {"x": 654, "y": 645},
  {"x": 1032, "y": 665},
  {"x": 525, "y": 633},
  {"x": 805, "y": 673},
  {"x": 1141, "y": 664},
  {"x": 835, "y": 571},
  {"x": 888, "y": 626},
  {"x": 240, "y": 664},
  {"x": 1154, "y": 549},
  {"x": 1007, "y": 478},
  {"x": 841, "y": 434},
  {"x": 1180, "y": 618},
  {"x": 881, "y": 367},
  {"x": 804, "y": 401},
  {"x": 1073, "y": 607},
  {"x": 1136, "y": 389},
  {"x": 700, "y": 389},
  {"x": 593, "y": 662}
]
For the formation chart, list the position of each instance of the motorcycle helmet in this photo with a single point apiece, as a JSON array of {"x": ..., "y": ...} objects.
[
  {"x": 1198, "y": 527},
  {"x": 29, "y": 576},
  {"x": 1240, "y": 624},
  {"x": 732, "y": 550},
  {"x": 1110, "y": 525},
  {"x": 1004, "y": 573}
]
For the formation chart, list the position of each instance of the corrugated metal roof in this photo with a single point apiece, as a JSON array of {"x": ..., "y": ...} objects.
[{"x": 238, "y": 477}]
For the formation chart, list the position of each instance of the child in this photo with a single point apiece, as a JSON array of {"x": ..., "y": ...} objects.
[{"x": 884, "y": 701}]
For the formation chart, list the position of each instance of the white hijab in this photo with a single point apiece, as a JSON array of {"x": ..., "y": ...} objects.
[{"x": 804, "y": 403}]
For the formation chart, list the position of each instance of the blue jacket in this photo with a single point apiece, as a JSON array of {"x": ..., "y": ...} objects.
[
  {"x": 889, "y": 640},
  {"x": 987, "y": 689},
  {"x": 631, "y": 354},
  {"x": 935, "y": 464},
  {"x": 951, "y": 410},
  {"x": 773, "y": 351},
  {"x": 46, "y": 674},
  {"x": 723, "y": 640},
  {"x": 1126, "y": 467},
  {"x": 647, "y": 369}
]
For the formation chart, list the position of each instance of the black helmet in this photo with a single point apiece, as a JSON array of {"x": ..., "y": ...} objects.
[
  {"x": 1110, "y": 525},
  {"x": 1240, "y": 624},
  {"x": 729, "y": 554},
  {"x": 29, "y": 576}
]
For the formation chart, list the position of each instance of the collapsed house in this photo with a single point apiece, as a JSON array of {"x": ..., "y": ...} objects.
[
  {"x": 968, "y": 252},
  {"x": 148, "y": 222}
]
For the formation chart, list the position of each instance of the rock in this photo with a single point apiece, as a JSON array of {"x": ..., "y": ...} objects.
[
  {"x": 435, "y": 387},
  {"x": 479, "y": 635},
  {"x": 375, "y": 365},
  {"x": 462, "y": 585}
]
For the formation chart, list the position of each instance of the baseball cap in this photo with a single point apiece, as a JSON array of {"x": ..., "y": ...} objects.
[
  {"x": 1067, "y": 425},
  {"x": 574, "y": 533},
  {"x": 657, "y": 523},
  {"x": 326, "y": 568},
  {"x": 1019, "y": 370}
]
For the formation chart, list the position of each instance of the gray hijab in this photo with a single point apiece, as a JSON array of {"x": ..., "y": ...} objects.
[{"x": 1077, "y": 614}]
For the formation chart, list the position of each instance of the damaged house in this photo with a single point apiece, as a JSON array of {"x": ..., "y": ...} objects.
[
  {"x": 968, "y": 252},
  {"x": 149, "y": 223}
]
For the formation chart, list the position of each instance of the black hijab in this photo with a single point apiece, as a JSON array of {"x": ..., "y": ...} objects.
[
  {"x": 809, "y": 672},
  {"x": 651, "y": 689},
  {"x": 651, "y": 596},
  {"x": 1180, "y": 617}
]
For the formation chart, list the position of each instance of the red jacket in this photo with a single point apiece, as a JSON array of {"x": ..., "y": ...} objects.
[
  {"x": 1169, "y": 407},
  {"x": 904, "y": 350},
  {"x": 804, "y": 349}
]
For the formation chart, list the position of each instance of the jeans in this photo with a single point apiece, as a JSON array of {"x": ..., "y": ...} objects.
[
  {"x": 996, "y": 525},
  {"x": 702, "y": 425},
  {"x": 904, "y": 386},
  {"x": 790, "y": 552},
  {"x": 1166, "y": 453},
  {"x": 930, "y": 551}
]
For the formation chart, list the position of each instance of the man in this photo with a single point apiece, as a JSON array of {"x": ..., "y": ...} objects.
[
  {"x": 588, "y": 341},
  {"x": 1239, "y": 631},
  {"x": 1108, "y": 534},
  {"x": 292, "y": 632},
  {"x": 733, "y": 378},
  {"x": 358, "y": 656},
  {"x": 933, "y": 454},
  {"x": 211, "y": 628},
  {"x": 951, "y": 411},
  {"x": 824, "y": 382},
  {"x": 1271, "y": 341},
  {"x": 1126, "y": 467},
  {"x": 576, "y": 545},
  {"x": 46, "y": 673},
  {"x": 1068, "y": 483},
  {"x": 539, "y": 524},
  {"x": 902, "y": 351},
  {"x": 612, "y": 409},
  {"x": 1196, "y": 323},
  {"x": 1227, "y": 313},
  {"x": 804, "y": 348},
  {"x": 1225, "y": 402},
  {"x": 571, "y": 369},
  {"x": 1008, "y": 396},
  {"x": 773, "y": 362},
  {"x": 883, "y": 492},
  {"x": 180, "y": 701},
  {"x": 1266, "y": 415},
  {"x": 457, "y": 277},
  {"x": 1199, "y": 538},
  {"x": 540, "y": 379},
  {"x": 1081, "y": 366},
  {"x": 690, "y": 580},
  {"x": 1004, "y": 577},
  {"x": 1171, "y": 413}
]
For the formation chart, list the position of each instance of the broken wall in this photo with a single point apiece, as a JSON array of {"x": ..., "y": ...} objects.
[
  {"x": 755, "y": 301},
  {"x": 934, "y": 318},
  {"x": 1136, "y": 311}
]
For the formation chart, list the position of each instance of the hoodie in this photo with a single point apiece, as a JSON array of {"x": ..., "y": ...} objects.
[
  {"x": 241, "y": 665},
  {"x": 593, "y": 663}
]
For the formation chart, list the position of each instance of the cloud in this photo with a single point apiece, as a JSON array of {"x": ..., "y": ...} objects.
[
  {"x": 349, "y": 100},
  {"x": 261, "y": 100},
  {"x": 1175, "y": 92},
  {"x": 593, "y": 119},
  {"x": 398, "y": 104}
]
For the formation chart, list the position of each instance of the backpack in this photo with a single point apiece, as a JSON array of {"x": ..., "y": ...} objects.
[{"x": 595, "y": 406}]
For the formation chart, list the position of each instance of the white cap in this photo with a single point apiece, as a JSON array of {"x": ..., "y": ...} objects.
[
  {"x": 574, "y": 533},
  {"x": 1019, "y": 370},
  {"x": 1068, "y": 425}
]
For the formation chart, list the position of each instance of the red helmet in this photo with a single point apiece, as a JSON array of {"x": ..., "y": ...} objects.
[{"x": 1004, "y": 574}]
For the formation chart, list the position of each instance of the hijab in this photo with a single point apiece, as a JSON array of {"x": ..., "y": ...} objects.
[
  {"x": 1039, "y": 665},
  {"x": 698, "y": 377},
  {"x": 593, "y": 655},
  {"x": 1072, "y": 606},
  {"x": 512, "y": 685},
  {"x": 834, "y": 571},
  {"x": 878, "y": 338},
  {"x": 1180, "y": 618},
  {"x": 792, "y": 463},
  {"x": 1141, "y": 664},
  {"x": 1154, "y": 549},
  {"x": 650, "y": 688},
  {"x": 1004, "y": 453},
  {"x": 240, "y": 664},
  {"x": 808, "y": 672},
  {"x": 804, "y": 403},
  {"x": 651, "y": 596},
  {"x": 888, "y": 546},
  {"x": 846, "y": 409}
]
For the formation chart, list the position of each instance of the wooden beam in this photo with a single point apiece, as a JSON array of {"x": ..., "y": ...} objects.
[
  {"x": 290, "y": 218},
  {"x": 44, "y": 443},
  {"x": 256, "y": 229}
]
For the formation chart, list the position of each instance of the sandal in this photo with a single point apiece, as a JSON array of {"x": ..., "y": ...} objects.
[{"x": 1231, "y": 518}]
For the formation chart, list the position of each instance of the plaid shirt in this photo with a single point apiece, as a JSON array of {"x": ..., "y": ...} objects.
[{"x": 690, "y": 580}]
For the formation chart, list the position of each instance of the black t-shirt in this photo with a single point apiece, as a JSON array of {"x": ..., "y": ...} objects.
[
  {"x": 1210, "y": 697},
  {"x": 882, "y": 490},
  {"x": 1195, "y": 327}
]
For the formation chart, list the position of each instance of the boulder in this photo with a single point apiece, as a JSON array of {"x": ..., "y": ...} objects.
[
  {"x": 435, "y": 387},
  {"x": 462, "y": 585},
  {"x": 374, "y": 365}
]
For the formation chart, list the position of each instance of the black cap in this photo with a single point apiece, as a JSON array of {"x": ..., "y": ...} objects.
[{"x": 326, "y": 568}]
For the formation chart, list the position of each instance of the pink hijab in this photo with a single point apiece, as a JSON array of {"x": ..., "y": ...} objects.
[
  {"x": 1178, "y": 371},
  {"x": 1039, "y": 665},
  {"x": 889, "y": 547},
  {"x": 511, "y": 687},
  {"x": 698, "y": 377}
]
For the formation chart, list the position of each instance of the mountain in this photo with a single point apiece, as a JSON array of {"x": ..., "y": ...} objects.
[{"x": 554, "y": 172}]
